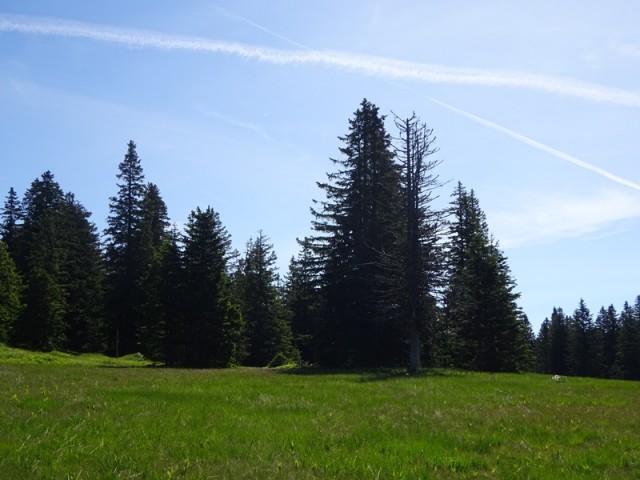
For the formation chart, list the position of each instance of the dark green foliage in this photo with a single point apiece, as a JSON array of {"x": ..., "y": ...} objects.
[
  {"x": 543, "y": 347},
  {"x": 304, "y": 300},
  {"x": 419, "y": 256},
  {"x": 628, "y": 358},
  {"x": 606, "y": 342},
  {"x": 59, "y": 258},
  {"x": 608, "y": 347},
  {"x": 154, "y": 244},
  {"x": 480, "y": 301},
  {"x": 559, "y": 333},
  {"x": 83, "y": 275},
  {"x": 367, "y": 289},
  {"x": 169, "y": 302},
  {"x": 267, "y": 321},
  {"x": 213, "y": 323},
  {"x": 12, "y": 216},
  {"x": 122, "y": 254},
  {"x": 583, "y": 359},
  {"x": 41, "y": 262},
  {"x": 356, "y": 226},
  {"x": 10, "y": 294}
]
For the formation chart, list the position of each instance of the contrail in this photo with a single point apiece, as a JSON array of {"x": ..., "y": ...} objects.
[
  {"x": 235, "y": 16},
  {"x": 540, "y": 146},
  {"x": 515, "y": 135},
  {"x": 380, "y": 67}
]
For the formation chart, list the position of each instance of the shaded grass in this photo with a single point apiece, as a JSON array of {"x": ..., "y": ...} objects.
[{"x": 84, "y": 422}]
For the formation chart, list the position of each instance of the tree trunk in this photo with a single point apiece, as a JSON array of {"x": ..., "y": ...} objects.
[{"x": 414, "y": 346}]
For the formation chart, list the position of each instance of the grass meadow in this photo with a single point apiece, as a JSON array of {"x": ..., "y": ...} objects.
[{"x": 82, "y": 417}]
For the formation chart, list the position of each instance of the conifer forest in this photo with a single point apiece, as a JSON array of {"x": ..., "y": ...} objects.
[{"x": 385, "y": 279}]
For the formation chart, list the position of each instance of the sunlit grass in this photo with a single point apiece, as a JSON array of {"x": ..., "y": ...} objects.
[
  {"x": 66, "y": 421},
  {"x": 16, "y": 356}
]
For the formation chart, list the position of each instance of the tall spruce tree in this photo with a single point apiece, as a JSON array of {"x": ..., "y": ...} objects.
[
  {"x": 12, "y": 216},
  {"x": 171, "y": 298},
  {"x": 41, "y": 261},
  {"x": 154, "y": 235},
  {"x": 122, "y": 254},
  {"x": 213, "y": 322},
  {"x": 267, "y": 321},
  {"x": 606, "y": 343},
  {"x": 420, "y": 265},
  {"x": 356, "y": 225},
  {"x": 583, "y": 360},
  {"x": 480, "y": 301},
  {"x": 10, "y": 294},
  {"x": 629, "y": 342},
  {"x": 543, "y": 348},
  {"x": 559, "y": 333},
  {"x": 83, "y": 275},
  {"x": 304, "y": 301}
]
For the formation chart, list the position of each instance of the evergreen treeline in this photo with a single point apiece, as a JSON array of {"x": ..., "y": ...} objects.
[
  {"x": 385, "y": 279},
  {"x": 606, "y": 346}
]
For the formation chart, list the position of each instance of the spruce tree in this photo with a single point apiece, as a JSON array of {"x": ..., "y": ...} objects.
[
  {"x": 41, "y": 262},
  {"x": 83, "y": 275},
  {"x": 356, "y": 224},
  {"x": 559, "y": 333},
  {"x": 213, "y": 322},
  {"x": 480, "y": 301},
  {"x": 543, "y": 348},
  {"x": 152, "y": 248},
  {"x": 12, "y": 216},
  {"x": 304, "y": 301},
  {"x": 606, "y": 343},
  {"x": 267, "y": 321},
  {"x": 583, "y": 361},
  {"x": 629, "y": 342},
  {"x": 10, "y": 294},
  {"x": 171, "y": 301},
  {"x": 122, "y": 254},
  {"x": 420, "y": 254}
]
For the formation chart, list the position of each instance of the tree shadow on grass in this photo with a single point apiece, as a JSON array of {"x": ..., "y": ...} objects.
[{"x": 372, "y": 374}]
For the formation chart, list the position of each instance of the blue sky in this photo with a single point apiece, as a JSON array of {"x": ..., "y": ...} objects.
[{"x": 238, "y": 105}]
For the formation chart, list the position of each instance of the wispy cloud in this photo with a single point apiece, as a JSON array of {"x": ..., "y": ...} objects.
[
  {"x": 631, "y": 50},
  {"x": 548, "y": 217},
  {"x": 369, "y": 65},
  {"x": 252, "y": 127}
]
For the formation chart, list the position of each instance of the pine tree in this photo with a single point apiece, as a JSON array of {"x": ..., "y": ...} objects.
[
  {"x": 480, "y": 300},
  {"x": 10, "y": 294},
  {"x": 559, "y": 333},
  {"x": 582, "y": 360},
  {"x": 172, "y": 301},
  {"x": 162, "y": 331},
  {"x": 420, "y": 253},
  {"x": 12, "y": 216},
  {"x": 83, "y": 275},
  {"x": 213, "y": 323},
  {"x": 152, "y": 247},
  {"x": 606, "y": 344},
  {"x": 124, "y": 270},
  {"x": 356, "y": 225},
  {"x": 304, "y": 301},
  {"x": 267, "y": 321},
  {"x": 41, "y": 260},
  {"x": 543, "y": 348},
  {"x": 629, "y": 342}
]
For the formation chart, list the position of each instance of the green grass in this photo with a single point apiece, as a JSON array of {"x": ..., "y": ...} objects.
[
  {"x": 87, "y": 421},
  {"x": 16, "y": 356}
]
